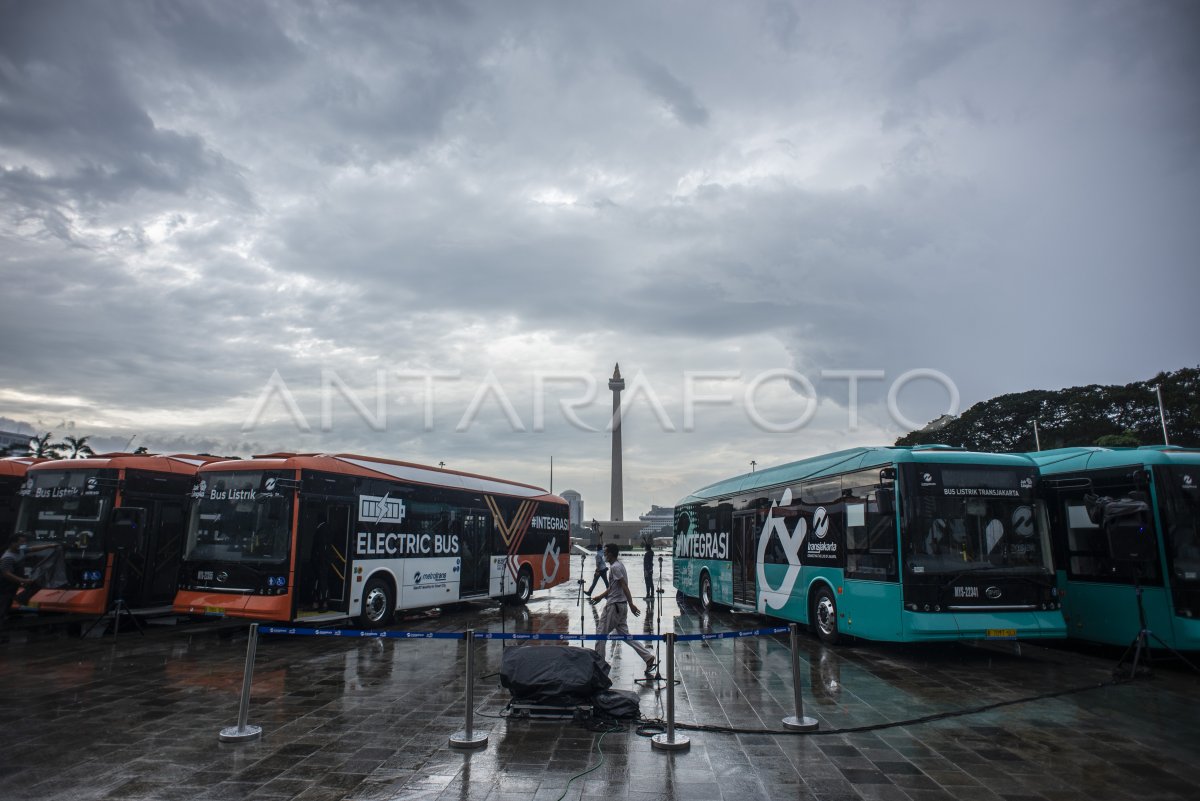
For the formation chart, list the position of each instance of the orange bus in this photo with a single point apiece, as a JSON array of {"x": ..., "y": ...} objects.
[
  {"x": 288, "y": 537},
  {"x": 115, "y": 510},
  {"x": 12, "y": 477}
]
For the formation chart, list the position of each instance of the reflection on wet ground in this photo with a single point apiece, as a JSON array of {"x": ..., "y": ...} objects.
[{"x": 370, "y": 719}]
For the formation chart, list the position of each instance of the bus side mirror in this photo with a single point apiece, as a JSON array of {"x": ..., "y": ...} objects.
[
  {"x": 126, "y": 531},
  {"x": 885, "y": 501}
]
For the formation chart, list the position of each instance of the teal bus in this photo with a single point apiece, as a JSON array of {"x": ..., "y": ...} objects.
[
  {"x": 1151, "y": 548},
  {"x": 899, "y": 544}
]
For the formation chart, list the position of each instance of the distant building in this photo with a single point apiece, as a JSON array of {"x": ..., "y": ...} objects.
[
  {"x": 575, "y": 503},
  {"x": 658, "y": 522},
  {"x": 10, "y": 439}
]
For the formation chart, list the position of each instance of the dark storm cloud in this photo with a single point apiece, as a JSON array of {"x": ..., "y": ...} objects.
[
  {"x": 677, "y": 96},
  {"x": 69, "y": 102},
  {"x": 196, "y": 195}
]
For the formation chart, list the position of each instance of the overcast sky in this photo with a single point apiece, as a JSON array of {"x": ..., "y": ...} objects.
[{"x": 212, "y": 209}]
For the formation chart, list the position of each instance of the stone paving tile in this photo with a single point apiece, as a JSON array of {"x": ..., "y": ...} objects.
[{"x": 370, "y": 719}]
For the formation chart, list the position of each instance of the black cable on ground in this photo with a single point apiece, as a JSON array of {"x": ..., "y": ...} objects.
[
  {"x": 604, "y": 732},
  {"x": 648, "y": 728}
]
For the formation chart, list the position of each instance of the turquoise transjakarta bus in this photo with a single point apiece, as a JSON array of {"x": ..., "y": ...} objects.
[
  {"x": 1152, "y": 544},
  {"x": 888, "y": 543}
]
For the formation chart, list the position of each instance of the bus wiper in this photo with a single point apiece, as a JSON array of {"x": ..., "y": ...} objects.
[
  {"x": 976, "y": 569},
  {"x": 981, "y": 568}
]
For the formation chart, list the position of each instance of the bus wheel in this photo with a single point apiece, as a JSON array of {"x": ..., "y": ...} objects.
[
  {"x": 824, "y": 616},
  {"x": 377, "y": 604},
  {"x": 524, "y": 587},
  {"x": 706, "y": 597}
]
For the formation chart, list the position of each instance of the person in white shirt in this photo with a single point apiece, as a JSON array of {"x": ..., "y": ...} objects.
[{"x": 620, "y": 601}]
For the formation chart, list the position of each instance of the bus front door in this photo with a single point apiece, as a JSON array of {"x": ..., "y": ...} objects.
[
  {"x": 322, "y": 583},
  {"x": 164, "y": 552},
  {"x": 147, "y": 571},
  {"x": 742, "y": 554},
  {"x": 473, "y": 541}
]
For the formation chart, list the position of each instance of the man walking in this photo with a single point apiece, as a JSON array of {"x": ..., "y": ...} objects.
[
  {"x": 620, "y": 601},
  {"x": 601, "y": 569},
  {"x": 648, "y": 570}
]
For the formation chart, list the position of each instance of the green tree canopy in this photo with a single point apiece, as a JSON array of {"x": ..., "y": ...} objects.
[{"x": 1125, "y": 415}]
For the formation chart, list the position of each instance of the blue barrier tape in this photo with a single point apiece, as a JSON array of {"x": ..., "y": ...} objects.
[
  {"x": 390, "y": 635},
  {"x": 496, "y": 635},
  {"x": 730, "y": 635}
]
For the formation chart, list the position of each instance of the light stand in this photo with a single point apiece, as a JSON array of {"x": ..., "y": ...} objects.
[
  {"x": 119, "y": 608},
  {"x": 657, "y": 677},
  {"x": 1141, "y": 642},
  {"x": 579, "y": 595}
]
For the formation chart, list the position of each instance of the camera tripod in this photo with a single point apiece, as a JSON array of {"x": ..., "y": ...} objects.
[
  {"x": 1140, "y": 645},
  {"x": 119, "y": 607}
]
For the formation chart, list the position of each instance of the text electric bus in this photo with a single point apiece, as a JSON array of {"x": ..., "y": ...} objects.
[
  {"x": 1125, "y": 519},
  {"x": 900, "y": 544},
  {"x": 110, "y": 511},
  {"x": 286, "y": 537}
]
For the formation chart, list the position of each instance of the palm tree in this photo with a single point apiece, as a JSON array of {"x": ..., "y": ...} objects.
[
  {"x": 42, "y": 448},
  {"x": 79, "y": 447}
]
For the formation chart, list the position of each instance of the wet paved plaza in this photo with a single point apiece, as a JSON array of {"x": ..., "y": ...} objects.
[{"x": 370, "y": 719}]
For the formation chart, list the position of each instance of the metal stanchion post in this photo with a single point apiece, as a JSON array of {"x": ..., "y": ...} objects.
[
  {"x": 469, "y": 738},
  {"x": 244, "y": 731},
  {"x": 670, "y": 741},
  {"x": 798, "y": 722}
]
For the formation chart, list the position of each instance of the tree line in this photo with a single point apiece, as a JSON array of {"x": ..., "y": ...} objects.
[
  {"x": 1109, "y": 416},
  {"x": 44, "y": 448}
]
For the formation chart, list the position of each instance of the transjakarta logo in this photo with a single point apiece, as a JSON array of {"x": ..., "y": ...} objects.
[
  {"x": 380, "y": 509},
  {"x": 1022, "y": 521},
  {"x": 820, "y": 523},
  {"x": 551, "y": 523}
]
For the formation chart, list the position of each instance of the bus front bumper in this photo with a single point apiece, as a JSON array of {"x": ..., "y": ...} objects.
[
  {"x": 219, "y": 604},
  {"x": 923, "y": 626}
]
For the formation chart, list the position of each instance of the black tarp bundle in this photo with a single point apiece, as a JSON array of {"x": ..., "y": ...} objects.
[{"x": 553, "y": 675}]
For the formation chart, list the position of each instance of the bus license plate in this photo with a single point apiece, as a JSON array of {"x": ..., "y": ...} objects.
[
  {"x": 1001, "y": 633},
  {"x": 218, "y": 610}
]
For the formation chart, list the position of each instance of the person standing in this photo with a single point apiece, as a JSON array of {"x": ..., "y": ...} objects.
[
  {"x": 601, "y": 569},
  {"x": 620, "y": 603},
  {"x": 648, "y": 570},
  {"x": 13, "y": 583}
]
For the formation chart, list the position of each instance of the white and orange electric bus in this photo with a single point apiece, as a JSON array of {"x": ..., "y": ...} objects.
[
  {"x": 288, "y": 537},
  {"x": 114, "y": 510}
]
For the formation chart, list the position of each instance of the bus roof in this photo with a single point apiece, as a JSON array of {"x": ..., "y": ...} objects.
[
  {"x": 156, "y": 462},
  {"x": 17, "y": 465},
  {"x": 846, "y": 461},
  {"x": 1064, "y": 460},
  {"x": 374, "y": 467}
]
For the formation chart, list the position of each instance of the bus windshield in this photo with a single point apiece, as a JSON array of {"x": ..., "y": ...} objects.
[
  {"x": 976, "y": 519},
  {"x": 1181, "y": 519},
  {"x": 232, "y": 520},
  {"x": 69, "y": 507}
]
